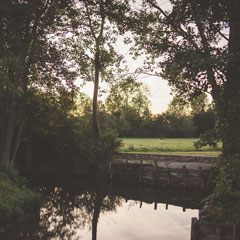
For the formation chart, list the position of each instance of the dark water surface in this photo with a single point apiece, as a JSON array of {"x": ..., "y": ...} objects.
[{"x": 85, "y": 211}]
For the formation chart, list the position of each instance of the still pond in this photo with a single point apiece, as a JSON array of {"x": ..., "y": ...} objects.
[{"x": 80, "y": 210}]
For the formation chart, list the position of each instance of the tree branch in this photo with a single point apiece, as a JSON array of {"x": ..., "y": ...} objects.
[
  {"x": 102, "y": 13},
  {"x": 89, "y": 20},
  {"x": 176, "y": 27}
]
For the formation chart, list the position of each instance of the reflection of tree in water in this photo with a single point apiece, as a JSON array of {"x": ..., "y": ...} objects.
[{"x": 65, "y": 212}]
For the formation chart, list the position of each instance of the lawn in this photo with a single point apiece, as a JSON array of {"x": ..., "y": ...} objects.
[{"x": 167, "y": 146}]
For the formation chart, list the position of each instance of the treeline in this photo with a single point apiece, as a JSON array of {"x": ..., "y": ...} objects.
[
  {"x": 58, "y": 125},
  {"x": 127, "y": 112},
  {"x": 168, "y": 125}
]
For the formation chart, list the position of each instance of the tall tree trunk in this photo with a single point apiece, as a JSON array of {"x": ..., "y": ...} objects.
[
  {"x": 28, "y": 152},
  {"x": 5, "y": 158},
  {"x": 95, "y": 98},
  {"x": 19, "y": 131},
  {"x": 3, "y": 122},
  {"x": 230, "y": 115}
]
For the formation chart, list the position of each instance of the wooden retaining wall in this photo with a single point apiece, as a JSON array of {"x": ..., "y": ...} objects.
[
  {"x": 211, "y": 231},
  {"x": 165, "y": 157},
  {"x": 157, "y": 169}
]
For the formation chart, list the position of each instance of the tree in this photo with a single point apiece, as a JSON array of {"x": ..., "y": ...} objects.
[
  {"x": 95, "y": 45},
  {"x": 204, "y": 121},
  {"x": 199, "y": 45},
  {"x": 179, "y": 107},
  {"x": 200, "y": 104},
  {"x": 27, "y": 57},
  {"x": 52, "y": 135},
  {"x": 128, "y": 102},
  {"x": 128, "y": 93}
]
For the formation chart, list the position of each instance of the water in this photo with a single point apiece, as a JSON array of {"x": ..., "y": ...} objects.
[
  {"x": 82, "y": 211},
  {"x": 131, "y": 223}
]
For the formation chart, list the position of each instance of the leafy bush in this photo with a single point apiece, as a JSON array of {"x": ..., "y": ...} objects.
[
  {"x": 210, "y": 138},
  {"x": 109, "y": 145},
  {"x": 16, "y": 201},
  {"x": 225, "y": 200}
]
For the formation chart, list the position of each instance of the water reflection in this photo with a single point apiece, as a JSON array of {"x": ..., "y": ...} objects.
[
  {"x": 67, "y": 213},
  {"x": 106, "y": 212}
]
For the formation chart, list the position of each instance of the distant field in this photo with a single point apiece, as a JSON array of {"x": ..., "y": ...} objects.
[{"x": 167, "y": 145}]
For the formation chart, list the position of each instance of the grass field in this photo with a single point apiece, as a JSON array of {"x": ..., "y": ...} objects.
[{"x": 167, "y": 146}]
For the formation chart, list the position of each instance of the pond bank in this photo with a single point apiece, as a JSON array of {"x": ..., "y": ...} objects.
[
  {"x": 149, "y": 169},
  {"x": 17, "y": 202}
]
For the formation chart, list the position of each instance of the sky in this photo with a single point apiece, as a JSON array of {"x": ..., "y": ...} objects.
[{"x": 159, "y": 90}]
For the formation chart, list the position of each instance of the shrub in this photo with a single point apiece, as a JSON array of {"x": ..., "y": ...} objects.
[
  {"x": 225, "y": 200},
  {"x": 16, "y": 200}
]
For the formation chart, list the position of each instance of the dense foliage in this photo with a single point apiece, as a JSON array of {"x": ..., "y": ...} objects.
[
  {"x": 29, "y": 56},
  {"x": 128, "y": 107},
  {"x": 56, "y": 135},
  {"x": 225, "y": 200},
  {"x": 16, "y": 201},
  {"x": 196, "y": 47}
]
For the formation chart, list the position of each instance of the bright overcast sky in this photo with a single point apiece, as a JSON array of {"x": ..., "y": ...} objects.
[{"x": 159, "y": 89}]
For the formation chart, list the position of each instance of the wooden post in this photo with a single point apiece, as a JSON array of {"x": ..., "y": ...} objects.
[
  {"x": 184, "y": 199},
  {"x": 236, "y": 232},
  {"x": 194, "y": 233},
  {"x": 168, "y": 176},
  {"x": 155, "y": 172},
  {"x": 219, "y": 232},
  {"x": 184, "y": 176},
  {"x": 110, "y": 170},
  {"x": 126, "y": 169},
  {"x": 168, "y": 193},
  {"x": 155, "y": 205},
  {"x": 202, "y": 178},
  {"x": 141, "y": 204},
  {"x": 141, "y": 171}
]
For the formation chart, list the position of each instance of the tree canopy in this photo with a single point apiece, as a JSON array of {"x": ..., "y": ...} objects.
[
  {"x": 28, "y": 58},
  {"x": 196, "y": 47}
]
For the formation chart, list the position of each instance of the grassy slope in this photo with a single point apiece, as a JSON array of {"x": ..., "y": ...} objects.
[{"x": 167, "y": 146}]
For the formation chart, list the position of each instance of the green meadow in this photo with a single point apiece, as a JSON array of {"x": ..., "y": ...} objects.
[{"x": 167, "y": 146}]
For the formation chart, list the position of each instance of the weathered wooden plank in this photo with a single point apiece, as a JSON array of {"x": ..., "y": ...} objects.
[
  {"x": 185, "y": 176},
  {"x": 141, "y": 171},
  {"x": 194, "y": 229}
]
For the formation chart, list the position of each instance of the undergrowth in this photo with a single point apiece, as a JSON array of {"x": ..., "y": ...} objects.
[
  {"x": 225, "y": 200},
  {"x": 17, "y": 202}
]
